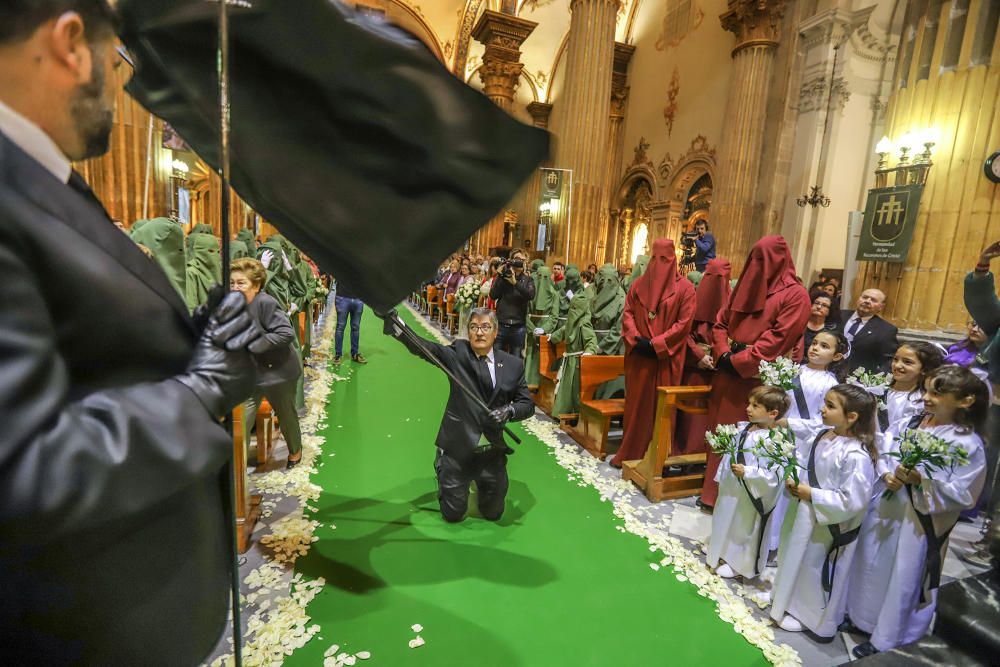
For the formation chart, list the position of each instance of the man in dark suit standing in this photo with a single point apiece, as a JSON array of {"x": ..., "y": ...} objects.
[
  {"x": 114, "y": 525},
  {"x": 873, "y": 340},
  {"x": 470, "y": 445}
]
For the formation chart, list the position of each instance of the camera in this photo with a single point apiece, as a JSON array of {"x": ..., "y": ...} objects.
[
  {"x": 509, "y": 265},
  {"x": 687, "y": 242}
]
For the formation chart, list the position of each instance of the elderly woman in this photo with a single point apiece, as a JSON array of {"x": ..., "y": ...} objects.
[
  {"x": 450, "y": 281},
  {"x": 278, "y": 367}
]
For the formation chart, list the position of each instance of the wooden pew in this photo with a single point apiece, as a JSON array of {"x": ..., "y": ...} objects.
[
  {"x": 433, "y": 301},
  {"x": 546, "y": 394},
  {"x": 594, "y": 420},
  {"x": 648, "y": 472},
  {"x": 247, "y": 506},
  {"x": 265, "y": 432}
]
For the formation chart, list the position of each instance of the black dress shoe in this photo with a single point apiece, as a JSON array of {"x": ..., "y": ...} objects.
[
  {"x": 851, "y": 629},
  {"x": 291, "y": 464},
  {"x": 864, "y": 650},
  {"x": 708, "y": 509}
]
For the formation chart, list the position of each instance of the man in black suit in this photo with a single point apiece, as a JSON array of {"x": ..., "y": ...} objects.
[
  {"x": 470, "y": 445},
  {"x": 873, "y": 340},
  {"x": 114, "y": 525}
]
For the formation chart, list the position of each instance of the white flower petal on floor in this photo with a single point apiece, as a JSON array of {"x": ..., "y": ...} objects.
[
  {"x": 416, "y": 627},
  {"x": 416, "y": 643}
]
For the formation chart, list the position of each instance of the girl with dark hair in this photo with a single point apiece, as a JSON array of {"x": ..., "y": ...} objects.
[
  {"x": 904, "y": 537},
  {"x": 817, "y": 376},
  {"x": 912, "y": 363},
  {"x": 825, "y": 513}
]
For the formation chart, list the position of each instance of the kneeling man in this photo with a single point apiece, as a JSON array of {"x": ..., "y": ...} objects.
[{"x": 470, "y": 444}]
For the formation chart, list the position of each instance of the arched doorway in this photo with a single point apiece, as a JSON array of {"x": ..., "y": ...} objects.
[
  {"x": 699, "y": 201},
  {"x": 631, "y": 222}
]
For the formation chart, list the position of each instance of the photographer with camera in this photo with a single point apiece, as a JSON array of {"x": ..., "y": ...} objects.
[
  {"x": 512, "y": 290},
  {"x": 704, "y": 245}
]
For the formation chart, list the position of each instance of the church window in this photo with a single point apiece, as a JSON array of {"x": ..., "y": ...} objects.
[
  {"x": 986, "y": 32},
  {"x": 957, "y": 19}
]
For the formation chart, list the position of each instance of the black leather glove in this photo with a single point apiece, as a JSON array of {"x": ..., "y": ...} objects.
[
  {"x": 205, "y": 310},
  {"x": 391, "y": 324},
  {"x": 644, "y": 347},
  {"x": 502, "y": 415},
  {"x": 725, "y": 363},
  {"x": 221, "y": 373}
]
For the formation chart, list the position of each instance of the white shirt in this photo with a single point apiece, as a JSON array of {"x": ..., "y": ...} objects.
[
  {"x": 850, "y": 323},
  {"x": 490, "y": 364},
  {"x": 32, "y": 140}
]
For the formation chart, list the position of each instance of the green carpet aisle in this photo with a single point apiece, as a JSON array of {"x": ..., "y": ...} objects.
[{"x": 554, "y": 583}]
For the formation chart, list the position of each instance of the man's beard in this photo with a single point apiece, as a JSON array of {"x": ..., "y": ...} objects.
[{"x": 94, "y": 119}]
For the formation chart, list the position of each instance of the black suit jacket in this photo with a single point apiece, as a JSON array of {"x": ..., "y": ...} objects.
[
  {"x": 874, "y": 345},
  {"x": 464, "y": 422},
  {"x": 113, "y": 527},
  {"x": 278, "y": 363}
]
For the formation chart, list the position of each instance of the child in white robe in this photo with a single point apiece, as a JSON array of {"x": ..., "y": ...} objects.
[
  {"x": 911, "y": 364},
  {"x": 894, "y": 581},
  {"x": 818, "y": 375},
  {"x": 810, "y": 588},
  {"x": 747, "y": 492}
]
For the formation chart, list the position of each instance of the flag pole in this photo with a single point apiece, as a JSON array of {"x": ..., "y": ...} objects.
[{"x": 222, "y": 64}]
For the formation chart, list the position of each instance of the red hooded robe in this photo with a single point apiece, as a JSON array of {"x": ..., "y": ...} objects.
[
  {"x": 659, "y": 306},
  {"x": 711, "y": 296},
  {"x": 765, "y": 319}
]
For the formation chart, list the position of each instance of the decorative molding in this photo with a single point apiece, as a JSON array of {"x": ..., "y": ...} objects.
[
  {"x": 813, "y": 94},
  {"x": 639, "y": 154},
  {"x": 754, "y": 22},
  {"x": 680, "y": 173},
  {"x": 664, "y": 168},
  {"x": 448, "y": 49},
  {"x": 878, "y": 107},
  {"x": 619, "y": 79},
  {"x": 465, "y": 27},
  {"x": 674, "y": 89},
  {"x": 540, "y": 112},
  {"x": 868, "y": 47},
  {"x": 677, "y": 23},
  {"x": 502, "y": 35}
]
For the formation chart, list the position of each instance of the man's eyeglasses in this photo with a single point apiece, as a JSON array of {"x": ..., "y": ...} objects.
[{"x": 480, "y": 328}]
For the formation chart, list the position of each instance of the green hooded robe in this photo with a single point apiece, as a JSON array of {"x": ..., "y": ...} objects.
[
  {"x": 543, "y": 313},
  {"x": 166, "y": 239},
  {"x": 641, "y": 262},
  {"x": 578, "y": 333},
  {"x": 201, "y": 228},
  {"x": 570, "y": 283},
  {"x": 204, "y": 268},
  {"x": 606, "y": 312},
  {"x": 248, "y": 239},
  {"x": 237, "y": 250},
  {"x": 694, "y": 277}
]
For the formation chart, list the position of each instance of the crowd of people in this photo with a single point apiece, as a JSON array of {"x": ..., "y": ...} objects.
[{"x": 856, "y": 536}]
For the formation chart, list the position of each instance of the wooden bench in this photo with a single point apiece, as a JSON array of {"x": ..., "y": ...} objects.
[
  {"x": 594, "y": 420},
  {"x": 247, "y": 505},
  {"x": 432, "y": 300},
  {"x": 648, "y": 472},
  {"x": 265, "y": 432},
  {"x": 444, "y": 315},
  {"x": 546, "y": 394}
]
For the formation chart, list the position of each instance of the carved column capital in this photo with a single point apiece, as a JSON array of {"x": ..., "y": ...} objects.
[
  {"x": 500, "y": 80},
  {"x": 754, "y": 22},
  {"x": 619, "y": 79},
  {"x": 502, "y": 35},
  {"x": 540, "y": 112}
]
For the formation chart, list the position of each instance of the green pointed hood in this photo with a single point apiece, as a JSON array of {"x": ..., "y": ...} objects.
[
  {"x": 545, "y": 290},
  {"x": 609, "y": 301},
  {"x": 641, "y": 262},
  {"x": 165, "y": 238},
  {"x": 204, "y": 267}
]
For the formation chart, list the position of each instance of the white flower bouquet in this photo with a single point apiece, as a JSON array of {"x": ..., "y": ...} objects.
[
  {"x": 876, "y": 384},
  {"x": 778, "y": 449},
  {"x": 780, "y": 373},
  {"x": 467, "y": 295},
  {"x": 724, "y": 440},
  {"x": 918, "y": 447}
]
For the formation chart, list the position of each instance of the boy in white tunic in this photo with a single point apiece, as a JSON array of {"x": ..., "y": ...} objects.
[
  {"x": 904, "y": 537},
  {"x": 747, "y": 491},
  {"x": 822, "y": 522}
]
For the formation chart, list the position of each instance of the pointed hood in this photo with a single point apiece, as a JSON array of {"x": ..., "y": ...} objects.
[{"x": 769, "y": 269}]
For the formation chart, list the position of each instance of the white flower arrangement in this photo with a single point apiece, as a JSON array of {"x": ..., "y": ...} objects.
[
  {"x": 780, "y": 373},
  {"x": 467, "y": 295},
  {"x": 778, "y": 449},
  {"x": 724, "y": 440},
  {"x": 917, "y": 447},
  {"x": 876, "y": 384}
]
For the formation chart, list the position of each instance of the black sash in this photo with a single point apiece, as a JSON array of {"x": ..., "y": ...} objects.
[
  {"x": 883, "y": 419},
  {"x": 800, "y": 399},
  {"x": 757, "y": 503},
  {"x": 840, "y": 538},
  {"x": 935, "y": 543}
]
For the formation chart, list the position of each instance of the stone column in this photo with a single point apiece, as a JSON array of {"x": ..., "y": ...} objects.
[
  {"x": 581, "y": 120},
  {"x": 527, "y": 209},
  {"x": 756, "y": 24},
  {"x": 607, "y": 233},
  {"x": 502, "y": 35}
]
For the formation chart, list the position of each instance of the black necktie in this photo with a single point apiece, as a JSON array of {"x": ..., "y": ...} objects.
[
  {"x": 482, "y": 369},
  {"x": 856, "y": 327},
  {"x": 77, "y": 183}
]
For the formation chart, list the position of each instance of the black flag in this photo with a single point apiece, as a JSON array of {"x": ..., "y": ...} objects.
[{"x": 347, "y": 133}]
